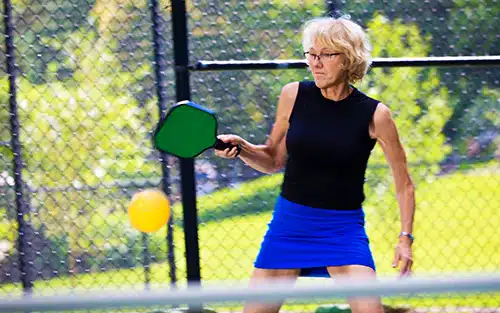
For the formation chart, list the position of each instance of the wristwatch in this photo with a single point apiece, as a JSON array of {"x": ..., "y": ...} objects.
[{"x": 403, "y": 233}]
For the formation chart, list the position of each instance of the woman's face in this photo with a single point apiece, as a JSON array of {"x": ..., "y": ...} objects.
[{"x": 326, "y": 66}]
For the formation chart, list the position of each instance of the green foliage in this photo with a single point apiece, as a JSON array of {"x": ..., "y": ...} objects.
[
  {"x": 87, "y": 109},
  {"x": 483, "y": 116},
  {"x": 7, "y": 213},
  {"x": 36, "y": 22},
  {"x": 4, "y": 114},
  {"x": 418, "y": 102},
  {"x": 105, "y": 242},
  {"x": 97, "y": 132},
  {"x": 8, "y": 228},
  {"x": 86, "y": 131},
  {"x": 111, "y": 242},
  {"x": 6, "y": 192},
  {"x": 473, "y": 26},
  {"x": 454, "y": 28}
]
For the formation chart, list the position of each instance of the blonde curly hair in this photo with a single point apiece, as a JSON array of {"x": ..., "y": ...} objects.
[{"x": 344, "y": 36}]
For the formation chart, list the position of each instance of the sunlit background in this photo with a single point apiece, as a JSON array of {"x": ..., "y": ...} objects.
[{"x": 87, "y": 103}]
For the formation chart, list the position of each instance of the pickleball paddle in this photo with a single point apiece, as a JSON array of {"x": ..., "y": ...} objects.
[{"x": 187, "y": 130}]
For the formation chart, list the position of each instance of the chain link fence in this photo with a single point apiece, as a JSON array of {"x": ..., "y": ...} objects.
[
  {"x": 88, "y": 99},
  {"x": 86, "y": 104}
]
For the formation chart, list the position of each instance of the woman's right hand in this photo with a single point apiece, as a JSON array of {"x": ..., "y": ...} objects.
[{"x": 229, "y": 153}]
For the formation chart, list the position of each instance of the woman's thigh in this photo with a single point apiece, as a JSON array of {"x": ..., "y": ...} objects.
[
  {"x": 259, "y": 277},
  {"x": 358, "y": 272}
]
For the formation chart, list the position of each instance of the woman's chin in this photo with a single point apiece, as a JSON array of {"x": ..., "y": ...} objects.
[
  {"x": 322, "y": 83},
  {"x": 326, "y": 83}
]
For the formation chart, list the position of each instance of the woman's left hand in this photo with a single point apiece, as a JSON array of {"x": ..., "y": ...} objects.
[{"x": 403, "y": 258}]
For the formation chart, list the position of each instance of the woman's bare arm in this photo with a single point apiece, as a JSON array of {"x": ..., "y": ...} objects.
[{"x": 385, "y": 131}]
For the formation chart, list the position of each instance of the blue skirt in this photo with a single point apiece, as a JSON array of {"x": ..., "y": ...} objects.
[{"x": 310, "y": 239}]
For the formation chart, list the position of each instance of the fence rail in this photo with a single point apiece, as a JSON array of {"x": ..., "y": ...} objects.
[{"x": 463, "y": 61}]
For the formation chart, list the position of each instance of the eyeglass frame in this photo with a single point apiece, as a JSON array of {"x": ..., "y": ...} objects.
[{"x": 318, "y": 57}]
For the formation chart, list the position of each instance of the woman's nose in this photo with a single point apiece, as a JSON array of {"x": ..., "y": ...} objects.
[{"x": 317, "y": 64}]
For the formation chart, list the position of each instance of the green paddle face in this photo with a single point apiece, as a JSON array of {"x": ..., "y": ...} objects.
[{"x": 187, "y": 130}]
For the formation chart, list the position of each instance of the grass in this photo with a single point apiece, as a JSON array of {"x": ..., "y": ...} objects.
[
  {"x": 455, "y": 227},
  {"x": 456, "y": 222}
]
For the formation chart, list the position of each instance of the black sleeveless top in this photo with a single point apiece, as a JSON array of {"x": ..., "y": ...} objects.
[{"x": 328, "y": 145}]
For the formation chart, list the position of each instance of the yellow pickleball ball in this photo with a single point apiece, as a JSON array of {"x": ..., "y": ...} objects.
[{"x": 149, "y": 210}]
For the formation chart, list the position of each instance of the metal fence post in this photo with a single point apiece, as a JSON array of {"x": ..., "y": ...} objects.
[
  {"x": 188, "y": 187},
  {"x": 332, "y": 7},
  {"x": 23, "y": 242}
]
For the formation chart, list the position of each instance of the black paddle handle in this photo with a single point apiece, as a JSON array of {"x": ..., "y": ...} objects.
[{"x": 221, "y": 145}]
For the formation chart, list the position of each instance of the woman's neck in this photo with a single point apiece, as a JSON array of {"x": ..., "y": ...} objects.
[{"x": 337, "y": 92}]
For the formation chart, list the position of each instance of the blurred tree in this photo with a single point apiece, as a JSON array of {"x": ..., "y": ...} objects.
[
  {"x": 5, "y": 153},
  {"x": 86, "y": 95},
  {"x": 4, "y": 117},
  {"x": 417, "y": 99},
  {"x": 455, "y": 28},
  {"x": 88, "y": 131},
  {"x": 35, "y": 23},
  {"x": 7, "y": 195}
]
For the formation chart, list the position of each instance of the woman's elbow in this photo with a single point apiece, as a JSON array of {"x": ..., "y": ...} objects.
[
  {"x": 404, "y": 184},
  {"x": 277, "y": 161},
  {"x": 408, "y": 186},
  {"x": 273, "y": 167}
]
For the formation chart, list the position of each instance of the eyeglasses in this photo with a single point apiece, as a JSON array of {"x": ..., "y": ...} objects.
[{"x": 319, "y": 57}]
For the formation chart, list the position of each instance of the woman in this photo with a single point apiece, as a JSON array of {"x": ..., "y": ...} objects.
[{"x": 324, "y": 133}]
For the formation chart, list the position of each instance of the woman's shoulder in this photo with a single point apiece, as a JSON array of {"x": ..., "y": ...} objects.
[
  {"x": 362, "y": 96},
  {"x": 293, "y": 90},
  {"x": 289, "y": 91}
]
